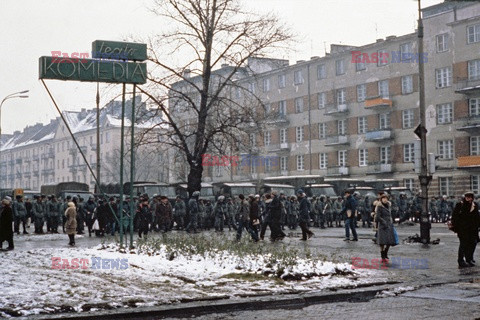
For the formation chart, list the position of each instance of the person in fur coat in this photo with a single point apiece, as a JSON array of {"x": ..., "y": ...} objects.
[{"x": 385, "y": 233}]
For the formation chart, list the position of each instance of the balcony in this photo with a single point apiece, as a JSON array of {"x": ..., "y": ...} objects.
[
  {"x": 36, "y": 157},
  {"x": 376, "y": 168},
  {"x": 19, "y": 161},
  {"x": 468, "y": 162},
  {"x": 471, "y": 123},
  {"x": 379, "y": 134},
  {"x": 378, "y": 102},
  {"x": 468, "y": 86},
  {"x": 277, "y": 119},
  {"x": 48, "y": 171},
  {"x": 336, "y": 110},
  {"x": 337, "y": 171},
  {"x": 336, "y": 140}
]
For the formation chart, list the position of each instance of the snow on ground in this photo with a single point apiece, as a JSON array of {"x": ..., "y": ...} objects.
[{"x": 31, "y": 286}]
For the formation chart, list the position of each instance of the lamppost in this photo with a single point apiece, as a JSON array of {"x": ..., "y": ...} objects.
[{"x": 20, "y": 94}]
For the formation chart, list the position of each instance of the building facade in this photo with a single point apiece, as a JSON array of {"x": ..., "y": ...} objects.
[{"x": 352, "y": 113}]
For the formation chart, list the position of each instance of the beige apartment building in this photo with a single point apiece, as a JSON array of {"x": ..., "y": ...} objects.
[
  {"x": 342, "y": 119},
  {"x": 47, "y": 154}
]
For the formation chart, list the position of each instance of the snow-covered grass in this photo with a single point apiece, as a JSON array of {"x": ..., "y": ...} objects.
[{"x": 163, "y": 270}]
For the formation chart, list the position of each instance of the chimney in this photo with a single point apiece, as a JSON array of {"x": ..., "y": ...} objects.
[
  {"x": 300, "y": 61},
  {"x": 314, "y": 57},
  {"x": 187, "y": 73}
]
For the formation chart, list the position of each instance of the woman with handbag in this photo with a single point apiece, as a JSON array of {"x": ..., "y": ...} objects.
[{"x": 386, "y": 232}]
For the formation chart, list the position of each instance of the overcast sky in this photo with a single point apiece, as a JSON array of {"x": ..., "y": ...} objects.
[{"x": 34, "y": 28}]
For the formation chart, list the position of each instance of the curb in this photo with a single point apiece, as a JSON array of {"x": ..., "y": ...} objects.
[{"x": 291, "y": 301}]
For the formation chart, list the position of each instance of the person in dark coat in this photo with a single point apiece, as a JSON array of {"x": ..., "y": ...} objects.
[
  {"x": 6, "y": 220},
  {"x": 466, "y": 221},
  {"x": 144, "y": 217},
  {"x": 276, "y": 218},
  {"x": 88, "y": 209},
  {"x": 304, "y": 215},
  {"x": 349, "y": 210},
  {"x": 20, "y": 214},
  {"x": 193, "y": 211},
  {"x": 164, "y": 215},
  {"x": 385, "y": 233}
]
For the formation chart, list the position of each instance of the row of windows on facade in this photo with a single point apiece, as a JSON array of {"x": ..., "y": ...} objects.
[
  {"x": 442, "y": 75},
  {"x": 60, "y": 147}
]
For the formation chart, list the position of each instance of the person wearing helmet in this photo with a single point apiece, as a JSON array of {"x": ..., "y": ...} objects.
[
  {"x": 193, "y": 210},
  {"x": 320, "y": 211},
  {"x": 466, "y": 221},
  {"x": 337, "y": 209},
  {"x": 219, "y": 211},
  {"x": 443, "y": 208},
  {"x": 179, "y": 213}
]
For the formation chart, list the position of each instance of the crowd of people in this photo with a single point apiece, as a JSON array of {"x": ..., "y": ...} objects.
[{"x": 253, "y": 213}]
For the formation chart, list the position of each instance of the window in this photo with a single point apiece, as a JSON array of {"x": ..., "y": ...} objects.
[
  {"x": 406, "y": 51},
  {"x": 299, "y": 134},
  {"x": 321, "y": 72},
  {"x": 283, "y": 135},
  {"x": 107, "y": 137},
  {"x": 323, "y": 161},
  {"x": 359, "y": 66},
  {"x": 252, "y": 87},
  {"x": 363, "y": 157},
  {"x": 473, "y": 33},
  {"x": 362, "y": 125},
  {"x": 341, "y": 96},
  {"x": 342, "y": 158},
  {"x": 238, "y": 93},
  {"x": 300, "y": 162},
  {"x": 475, "y": 146},
  {"x": 253, "y": 166},
  {"x": 385, "y": 155},
  {"x": 298, "y": 105},
  {"x": 282, "y": 81},
  {"x": 407, "y": 84},
  {"x": 444, "y": 113},
  {"x": 442, "y": 42},
  {"x": 445, "y": 149},
  {"x": 446, "y": 185},
  {"x": 384, "y": 120},
  {"x": 341, "y": 126},
  {"x": 409, "y": 183},
  {"x": 284, "y": 163},
  {"x": 361, "y": 92},
  {"x": 322, "y": 131},
  {"x": 340, "y": 67},
  {"x": 297, "y": 77},
  {"x": 474, "y": 107},
  {"x": 267, "y": 138},
  {"x": 475, "y": 184},
  {"x": 268, "y": 109},
  {"x": 474, "y": 70},
  {"x": 382, "y": 58},
  {"x": 282, "y": 108},
  {"x": 218, "y": 171},
  {"x": 443, "y": 77},
  {"x": 407, "y": 118},
  {"x": 322, "y": 100},
  {"x": 268, "y": 164},
  {"x": 266, "y": 85},
  {"x": 383, "y": 88},
  {"x": 253, "y": 140},
  {"x": 408, "y": 152}
]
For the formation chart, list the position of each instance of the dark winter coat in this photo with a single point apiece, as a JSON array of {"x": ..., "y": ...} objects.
[
  {"x": 163, "y": 212},
  {"x": 304, "y": 210},
  {"x": 6, "y": 219},
  {"x": 383, "y": 215},
  {"x": 466, "y": 219},
  {"x": 275, "y": 209}
]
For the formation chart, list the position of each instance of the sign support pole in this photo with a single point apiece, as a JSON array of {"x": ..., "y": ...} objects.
[
  {"x": 122, "y": 150},
  {"x": 132, "y": 166}
]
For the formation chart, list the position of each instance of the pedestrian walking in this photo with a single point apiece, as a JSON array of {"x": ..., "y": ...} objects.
[
  {"x": 71, "y": 222},
  {"x": 386, "y": 231},
  {"x": 304, "y": 215},
  {"x": 244, "y": 219},
  {"x": 466, "y": 221},
  {"x": 6, "y": 220},
  {"x": 350, "y": 209}
]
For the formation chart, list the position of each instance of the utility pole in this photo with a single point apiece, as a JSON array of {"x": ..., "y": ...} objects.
[
  {"x": 421, "y": 132},
  {"x": 98, "y": 137}
]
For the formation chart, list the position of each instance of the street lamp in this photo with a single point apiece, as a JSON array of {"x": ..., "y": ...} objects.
[{"x": 20, "y": 94}]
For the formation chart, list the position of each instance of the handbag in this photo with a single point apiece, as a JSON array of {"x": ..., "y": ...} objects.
[
  {"x": 349, "y": 213},
  {"x": 96, "y": 225},
  {"x": 395, "y": 235},
  {"x": 256, "y": 222}
]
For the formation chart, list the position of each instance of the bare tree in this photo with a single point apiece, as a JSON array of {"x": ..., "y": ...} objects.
[{"x": 208, "y": 104}]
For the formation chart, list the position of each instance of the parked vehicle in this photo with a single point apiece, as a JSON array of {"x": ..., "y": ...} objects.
[
  {"x": 232, "y": 190},
  {"x": 150, "y": 188},
  {"x": 286, "y": 189},
  {"x": 206, "y": 192},
  {"x": 64, "y": 189},
  {"x": 320, "y": 189},
  {"x": 396, "y": 191}
]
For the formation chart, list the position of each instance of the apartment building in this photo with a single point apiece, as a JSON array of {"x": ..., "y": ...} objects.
[
  {"x": 45, "y": 154},
  {"x": 337, "y": 116}
]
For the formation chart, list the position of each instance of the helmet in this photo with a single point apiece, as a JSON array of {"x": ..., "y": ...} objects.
[
  {"x": 196, "y": 194},
  {"x": 221, "y": 198}
]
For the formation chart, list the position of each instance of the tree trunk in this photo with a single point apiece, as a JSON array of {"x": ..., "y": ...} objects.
[{"x": 195, "y": 177}]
